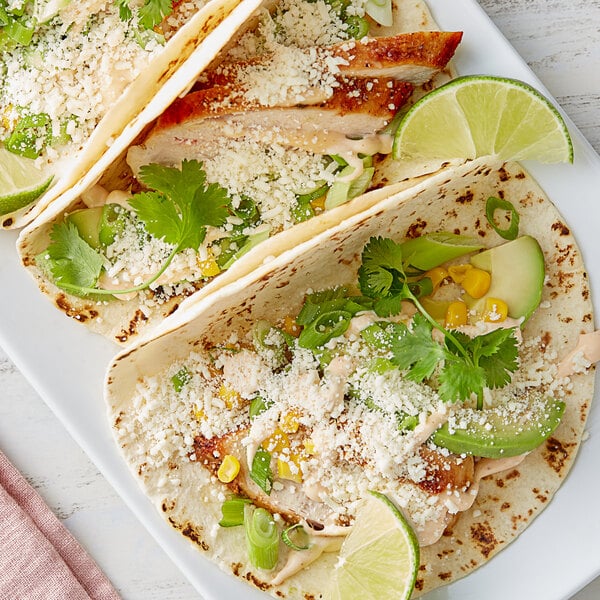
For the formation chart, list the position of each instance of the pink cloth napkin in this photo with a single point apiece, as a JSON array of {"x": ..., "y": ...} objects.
[{"x": 39, "y": 558}]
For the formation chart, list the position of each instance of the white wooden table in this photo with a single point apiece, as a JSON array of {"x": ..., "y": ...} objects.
[{"x": 560, "y": 41}]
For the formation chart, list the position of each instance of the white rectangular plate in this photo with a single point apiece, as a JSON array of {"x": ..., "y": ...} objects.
[{"x": 552, "y": 559}]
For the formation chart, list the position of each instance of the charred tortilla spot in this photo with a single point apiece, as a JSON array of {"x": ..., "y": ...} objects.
[
  {"x": 513, "y": 474},
  {"x": 503, "y": 175},
  {"x": 556, "y": 454},
  {"x": 466, "y": 198},
  {"x": 561, "y": 228},
  {"x": 419, "y": 584},
  {"x": 505, "y": 506},
  {"x": 173, "y": 309},
  {"x": 79, "y": 314},
  {"x": 483, "y": 537},
  {"x": 414, "y": 230},
  {"x": 261, "y": 585},
  {"x": 445, "y": 576},
  {"x": 192, "y": 533},
  {"x": 138, "y": 318}
]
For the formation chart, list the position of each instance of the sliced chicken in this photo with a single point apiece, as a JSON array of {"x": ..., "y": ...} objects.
[
  {"x": 413, "y": 57},
  {"x": 197, "y": 123},
  {"x": 289, "y": 501}
]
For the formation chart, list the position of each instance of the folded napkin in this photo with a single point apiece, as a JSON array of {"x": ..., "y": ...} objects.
[{"x": 39, "y": 558}]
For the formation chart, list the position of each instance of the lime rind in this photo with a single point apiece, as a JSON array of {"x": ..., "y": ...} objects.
[
  {"x": 21, "y": 181},
  {"x": 483, "y": 115},
  {"x": 379, "y": 558}
]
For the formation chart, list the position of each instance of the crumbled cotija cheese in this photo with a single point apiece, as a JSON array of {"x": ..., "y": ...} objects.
[{"x": 76, "y": 67}]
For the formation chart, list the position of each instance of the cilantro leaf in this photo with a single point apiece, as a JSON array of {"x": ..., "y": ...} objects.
[
  {"x": 124, "y": 10},
  {"x": 153, "y": 12},
  {"x": 71, "y": 260},
  {"x": 459, "y": 379},
  {"x": 504, "y": 361},
  {"x": 381, "y": 266},
  {"x": 416, "y": 350},
  {"x": 182, "y": 204}
]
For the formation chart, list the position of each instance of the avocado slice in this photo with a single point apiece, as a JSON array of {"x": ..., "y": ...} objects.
[
  {"x": 87, "y": 221},
  {"x": 502, "y": 431},
  {"x": 518, "y": 273}
]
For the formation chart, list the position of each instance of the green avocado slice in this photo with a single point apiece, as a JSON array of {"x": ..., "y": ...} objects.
[{"x": 508, "y": 430}]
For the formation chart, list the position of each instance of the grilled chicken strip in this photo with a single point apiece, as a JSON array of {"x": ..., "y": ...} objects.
[
  {"x": 197, "y": 123},
  {"x": 443, "y": 476},
  {"x": 412, "y": 57},
  {"x": 290, "y": 502}
]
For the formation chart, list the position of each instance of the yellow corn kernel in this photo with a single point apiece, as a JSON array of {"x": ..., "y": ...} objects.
[
  {"x": 495, "y": 310},
  {"x": 318, "y": 204},
  {"x": 458, "y": 272},
  {"x": 209, "y": 267},
  {"x": 278, "y": 441},
  {"x": 289, "y": 468},
  {"x": 289, "y": 423},
  {"x": 309, "y": 447},
  {"x": 456, "y": 315},
  {"x": 229, "y": 396},
  {"x": 199, "y": 413},
  {"x": 437, "y": 275},
  {"x": 291, "y": 327},
  {"x": 229, "y": 469},
  {"x": 476, "y": 282}
]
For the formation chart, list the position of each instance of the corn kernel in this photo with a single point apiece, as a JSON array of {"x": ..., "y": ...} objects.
[
  {"x": 289, "y": 468},
  {"x": 318, "y": 204},
  {"x": 229, "y": 396},
  {"x": 289, "y": 422},
  {"x": 209, "y": 267},
  {"x": 456, "y": 315},
  {"x": 278, "y": 441},
  {"x": 476, "y": 282},
  {"x": 495, "y": 310},
  {"x": 199, "y": 413},
  {"x": 309, "y": 447},
  {"x": 229, "y": 469},
  {"x": 437, "y": 275},
  {"x": 291, "y": 327},
  {"x": 458, "y": 272}
]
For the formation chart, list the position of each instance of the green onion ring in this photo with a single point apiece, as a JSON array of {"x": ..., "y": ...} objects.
[
  {"x": 285, "y": 536},
  {"x": 491, "y": 206}
]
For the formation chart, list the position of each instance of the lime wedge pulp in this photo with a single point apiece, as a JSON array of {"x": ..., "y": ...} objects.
[
  {"x": 480, "y": 115},
  {"x": 379, "y": 558},
  {"x": 21, "y": 181}
]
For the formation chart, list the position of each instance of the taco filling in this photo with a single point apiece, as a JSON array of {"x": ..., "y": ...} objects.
[
  {"x": 424, "y": 350},
  {"x": 289, "y": 123}
]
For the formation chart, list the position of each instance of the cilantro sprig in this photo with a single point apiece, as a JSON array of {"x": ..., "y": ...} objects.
[
  {"x": 465, "y": 365},
  {"x": 177, "y": 209},
  {"x": 151, "y": 13}
]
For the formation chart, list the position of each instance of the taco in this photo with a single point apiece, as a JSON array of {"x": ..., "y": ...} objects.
[
  {"x": 421, "y": 349},
  {"x": 75, "y": 74},
  {"x": 283, "y": 133}
]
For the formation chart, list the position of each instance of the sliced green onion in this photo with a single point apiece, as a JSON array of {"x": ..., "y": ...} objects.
[
  {"x": 406, "y": 422},
  {"x": 261, "y": 472},
  {"x": 380, "y": 11},
  {"x": 298, "y": 533},
  {"x": 258, "y": 406},
  {"x": 324, "y": 328},
  {"x": 357, "y": 28},
  {"x": 180, "y": 378},
  {"x": 491, "y": 206},
  {"x": 262, "y": 538},
  {"x": 310, "y": 195},
  {"x": 253, "y": 240},
  {"x": 31, "y": 135},
  {"x": 232, "y": 511}
]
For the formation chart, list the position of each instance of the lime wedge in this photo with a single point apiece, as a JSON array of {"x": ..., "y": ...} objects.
[
  {"x": 480, "y": 115},
  {"x": 21, "y": 182},
  {"x": 380, "y": 557}
]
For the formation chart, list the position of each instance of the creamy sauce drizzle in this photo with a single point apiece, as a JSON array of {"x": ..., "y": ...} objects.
[{"x": 588, "y": 348}]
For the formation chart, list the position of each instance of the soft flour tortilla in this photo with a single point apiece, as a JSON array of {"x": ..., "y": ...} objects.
[
  {"x": 183, "y": 57},
  {"x": 184, "y": 493},
  {"x": 122, "y": 320}
]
